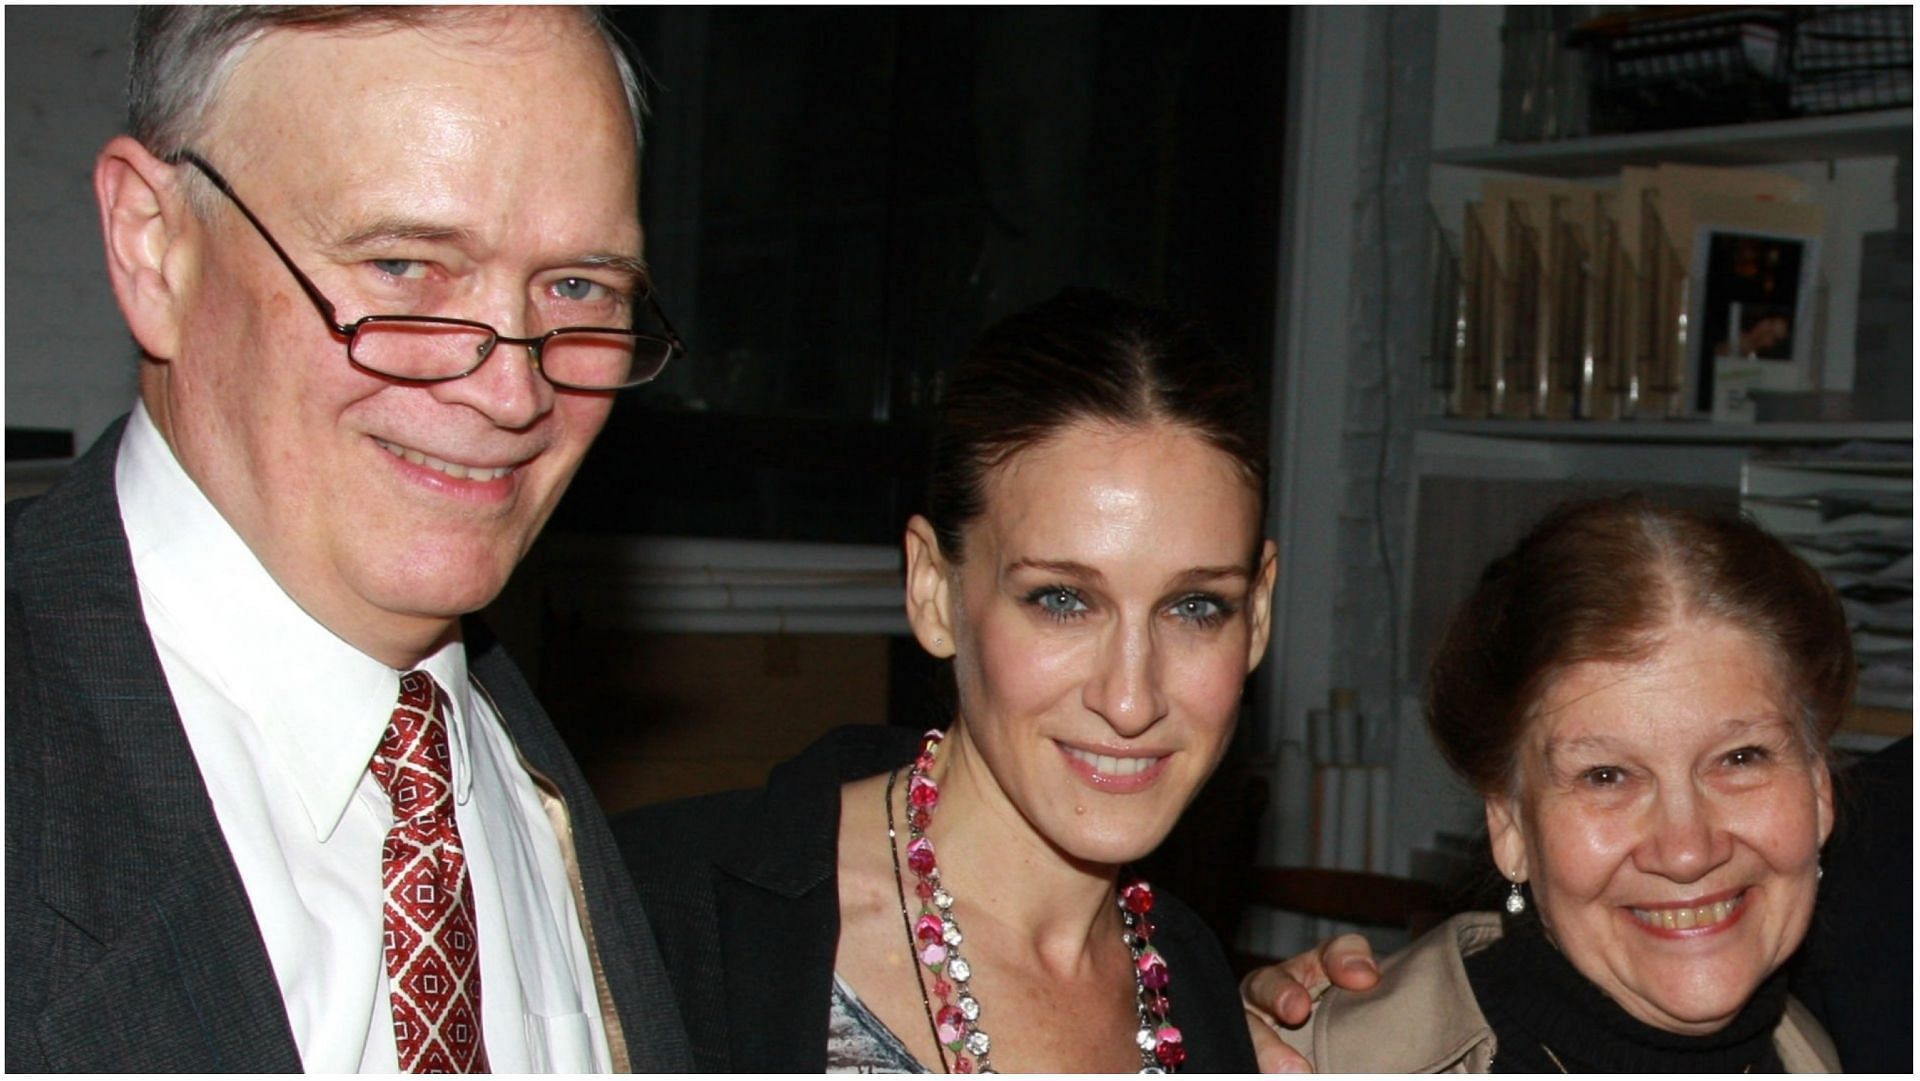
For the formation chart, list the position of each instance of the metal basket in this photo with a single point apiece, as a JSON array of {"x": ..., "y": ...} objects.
[
  {"x": 1851, "y": 58},
  {"x": 1687, "y": 67}
]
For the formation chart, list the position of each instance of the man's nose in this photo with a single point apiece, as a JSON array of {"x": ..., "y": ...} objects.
[{"x": 507, "y": 387}]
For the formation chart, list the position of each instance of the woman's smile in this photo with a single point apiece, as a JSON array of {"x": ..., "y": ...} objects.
[
  {"x": 1114, "y": 773},
  {"x": 1691, "y": 920},
  {"x": 1672, "y": 824},
  {"x": 1111, "y": 603}
]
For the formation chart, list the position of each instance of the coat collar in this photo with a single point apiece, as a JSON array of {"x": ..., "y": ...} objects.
[
  {"x": 795, "y": 848},
  {"x": 1448, "y": 1033},
  {"x": 1451, "y": 1032}
]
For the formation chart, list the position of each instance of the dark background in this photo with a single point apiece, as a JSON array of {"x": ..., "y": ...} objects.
[{"x": 838, "y": 200}]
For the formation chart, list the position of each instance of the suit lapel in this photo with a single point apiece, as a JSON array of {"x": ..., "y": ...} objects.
[
  {"x": 616, "y": 926},
  {"x": 134, "y": 856}
]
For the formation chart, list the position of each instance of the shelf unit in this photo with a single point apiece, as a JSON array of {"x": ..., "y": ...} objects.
[
  {"x": 1674, "y": 431},
  {"x": 1880, "y": 133},
  {"x": 1846, "y": 161}
]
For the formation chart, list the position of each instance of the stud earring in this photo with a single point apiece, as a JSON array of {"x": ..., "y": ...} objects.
[{"x": 1516, "y": 901}]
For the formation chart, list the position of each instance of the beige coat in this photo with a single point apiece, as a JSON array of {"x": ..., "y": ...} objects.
[{"x": 1423, "y": 1018}]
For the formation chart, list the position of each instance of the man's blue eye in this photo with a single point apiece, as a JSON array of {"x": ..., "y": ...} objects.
[
  {"x": 577, "y": 289},
  {"x": 400, "y": 268}
]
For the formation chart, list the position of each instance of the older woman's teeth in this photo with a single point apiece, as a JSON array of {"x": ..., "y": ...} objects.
[
  {"x": 451, "y": 469},
  {"x": 1684, "y": 919},
  {"x": 1108, "y": 766}
]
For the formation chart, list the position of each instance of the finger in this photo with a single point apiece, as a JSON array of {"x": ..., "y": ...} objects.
[
  {"x": 1273, "y": 993},
  {"x": 1348, "y": 962},
  {"x": 1306, "y": 969},
  {"x": 1272, "y": 1053}
]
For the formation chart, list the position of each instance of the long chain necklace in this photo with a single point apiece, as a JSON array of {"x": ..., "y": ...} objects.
[{"x": 934, "y": 937}]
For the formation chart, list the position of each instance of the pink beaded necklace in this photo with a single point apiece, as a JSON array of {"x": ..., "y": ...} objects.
[{"x": 935, "y": 939}]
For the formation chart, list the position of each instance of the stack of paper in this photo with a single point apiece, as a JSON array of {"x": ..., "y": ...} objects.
[{"x": 1849, "y": 512}]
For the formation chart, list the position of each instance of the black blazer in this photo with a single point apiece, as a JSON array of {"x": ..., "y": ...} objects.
[
  {"x": 131, "y": 945},
  {"x": 744, "y": 893}
]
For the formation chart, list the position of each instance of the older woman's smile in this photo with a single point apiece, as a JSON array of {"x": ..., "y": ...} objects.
[
  {"x": 1649, "y": 786},
  {"x": 1688, "y": 919}
]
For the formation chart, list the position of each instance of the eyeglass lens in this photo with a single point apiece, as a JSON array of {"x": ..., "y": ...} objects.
[{"x": 428, "y": 350}]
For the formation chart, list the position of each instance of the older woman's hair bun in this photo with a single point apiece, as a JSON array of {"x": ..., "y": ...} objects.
[{"x": 1601, "y": 580}]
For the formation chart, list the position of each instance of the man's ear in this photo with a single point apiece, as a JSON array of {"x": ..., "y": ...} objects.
[
  {"x": 929, "y": 590},
  {"x": 143, "y": 214},
  {"x": 1260, "y": 602},
  {"x": 1508, "y": 837}
]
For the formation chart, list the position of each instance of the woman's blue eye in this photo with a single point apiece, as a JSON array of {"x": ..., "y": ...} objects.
[
  {"x": 1059, "y": 602},
  {"x": 1201, "y": 610}
]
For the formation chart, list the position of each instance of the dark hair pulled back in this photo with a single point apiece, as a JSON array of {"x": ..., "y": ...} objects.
[{"x": 1084, "y": 355}]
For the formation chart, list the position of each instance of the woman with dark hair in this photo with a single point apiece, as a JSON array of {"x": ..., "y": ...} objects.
[
  {"x": 1643, "y": 697},
  {"x": 1093, "y": 564}
]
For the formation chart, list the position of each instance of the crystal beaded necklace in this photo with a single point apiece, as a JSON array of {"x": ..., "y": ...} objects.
[{"x": 935, "y": 938}]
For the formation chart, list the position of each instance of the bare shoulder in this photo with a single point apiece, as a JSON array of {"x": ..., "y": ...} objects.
[
  {"x": 872, "y": 955},
  {"x": 865, "y": 854}
]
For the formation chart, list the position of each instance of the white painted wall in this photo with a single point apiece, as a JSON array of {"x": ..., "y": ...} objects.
[{"x": 70, "y": 362}]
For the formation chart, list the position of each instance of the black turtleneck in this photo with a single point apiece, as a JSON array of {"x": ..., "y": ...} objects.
[{"x": 1535, "y": 999}]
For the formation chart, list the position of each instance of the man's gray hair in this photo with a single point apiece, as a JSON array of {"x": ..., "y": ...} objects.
[{"x": 183, "y": 55}]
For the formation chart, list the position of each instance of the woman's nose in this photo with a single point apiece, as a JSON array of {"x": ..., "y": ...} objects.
[
  {"x": 1684, "y": 840},
  {"x": 1125, "y": 685}
]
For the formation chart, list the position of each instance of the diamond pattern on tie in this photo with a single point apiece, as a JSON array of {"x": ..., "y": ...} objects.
[{"x": 433, "y": 958}]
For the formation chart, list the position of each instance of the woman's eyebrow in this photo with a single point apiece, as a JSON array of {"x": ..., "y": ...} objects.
[{"x": 1065, "y": 567}]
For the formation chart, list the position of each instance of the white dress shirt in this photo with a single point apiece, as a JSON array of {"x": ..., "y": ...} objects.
[{"x": 283, "y": 718}]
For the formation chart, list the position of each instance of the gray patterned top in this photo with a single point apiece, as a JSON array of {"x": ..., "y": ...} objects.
[{"x": 858, "y": 1042}]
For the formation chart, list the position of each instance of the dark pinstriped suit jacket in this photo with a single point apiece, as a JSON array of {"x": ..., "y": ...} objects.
[{"x": 130, "y": 942}]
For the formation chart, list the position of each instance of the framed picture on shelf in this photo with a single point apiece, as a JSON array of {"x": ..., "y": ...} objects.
[{"x": 1753, "y": 306}]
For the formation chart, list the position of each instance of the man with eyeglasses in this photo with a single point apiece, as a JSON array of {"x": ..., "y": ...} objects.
[{"x": 269, "y": 805}]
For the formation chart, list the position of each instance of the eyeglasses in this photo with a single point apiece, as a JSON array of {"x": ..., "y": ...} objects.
[{"x": 437, "y": 349}]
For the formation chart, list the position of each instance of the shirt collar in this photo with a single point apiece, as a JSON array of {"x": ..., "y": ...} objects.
[{"x": 319, "y": 705}]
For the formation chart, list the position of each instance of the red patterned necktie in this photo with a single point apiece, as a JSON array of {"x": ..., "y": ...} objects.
[{"x": 433, "y": 957}]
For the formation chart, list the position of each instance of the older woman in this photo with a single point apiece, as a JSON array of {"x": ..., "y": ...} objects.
[
  {"x": 1643, "y": 696},
  {"x": 1092, "y": 562}
]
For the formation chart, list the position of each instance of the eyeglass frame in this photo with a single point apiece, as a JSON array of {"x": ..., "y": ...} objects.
[{"x": 330, "y": 314}]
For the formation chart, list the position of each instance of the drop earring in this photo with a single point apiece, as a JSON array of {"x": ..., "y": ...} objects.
[{"x": 1516, "y": 901}]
